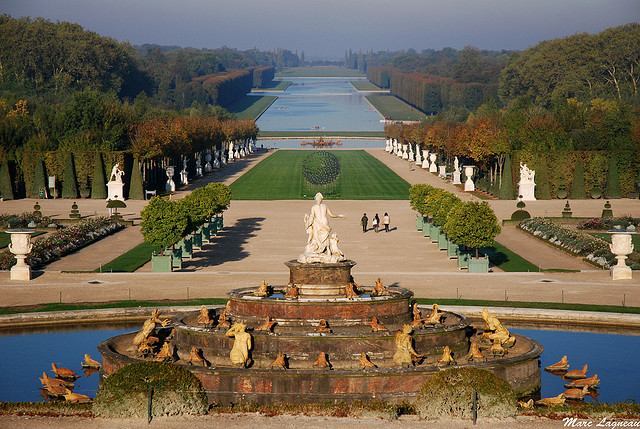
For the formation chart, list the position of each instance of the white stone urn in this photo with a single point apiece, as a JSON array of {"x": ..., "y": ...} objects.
[
  {"x": 20, "y": 247},
  {"x": 621, "y": 246},
  {"x": 425, "y": 159},
  {"x": 433, "y": 168},
  {"x": 469, "y": 186}
]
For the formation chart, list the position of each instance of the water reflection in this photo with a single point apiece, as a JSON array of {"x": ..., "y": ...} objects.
[{"x": 320, "y": 105}]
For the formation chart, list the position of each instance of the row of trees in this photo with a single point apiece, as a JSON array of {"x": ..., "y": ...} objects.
[
  {"x": 165, "y": 221},
  {"x": 470, "y": 224},
  {"x": 432, "y": 94},
  {"x": 578, "y": 149}
]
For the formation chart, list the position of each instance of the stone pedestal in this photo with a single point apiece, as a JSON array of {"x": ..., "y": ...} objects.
[
  {"x": 318, "y": 279},
  {"x": 456, "y": 178},
  {"x": 469, "y": 186},
  {"x": 527, "y": 191},
  {"x": 433, "y": 168},
  {"x": 115, "y": 191},
  {"x": 425, "y": 159},
  {"x": 20, "y": 246}
]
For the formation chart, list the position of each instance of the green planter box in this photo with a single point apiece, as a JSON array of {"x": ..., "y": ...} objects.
[
  {"x": 419, "y": 222},
  {"x": 213, "y": 229},
  {"x": 435, "y": 233},
  {"x": 443, "y": 243},
  {"x": 219, "y": 220},
  {"x": 463, "y": 260},
  {"x": 177, "y": 258},
  {"x": 479, "y": 265},
  {"x": 426, "y": 228},
  {"x": 197, "y": 240},
  {"x": 206, "y": 232},
  {"x": 161, "y": 263},
  {"x": 186, "y": 245},
  {"x": 452, "y": 249}
]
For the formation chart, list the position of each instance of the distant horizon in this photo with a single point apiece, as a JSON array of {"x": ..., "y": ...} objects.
[{"x": 325, "y": 32}]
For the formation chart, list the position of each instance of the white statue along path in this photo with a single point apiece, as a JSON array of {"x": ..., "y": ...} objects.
[{"x": 322, "y": 242}]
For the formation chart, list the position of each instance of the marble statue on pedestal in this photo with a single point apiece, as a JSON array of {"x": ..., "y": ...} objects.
[
  {"x": 418, "y": 156},
  {"x": 115, "y": 186},
  {"x": 527, "y": 184},
  {"x": 425, "y": 159},
  {"x": 322, "y": 242},
  {"x": 184, "y": 175},
  {"x": 216, "y": 160},
  {"x": 207, "y": 159},
  {"x": 170, "y": 186},
  {"x": 456, "y": 172},
  {"x": 411, "y": 155},
  {"x": 199, "y": 166},
  {"x": 231, "y": 153}
]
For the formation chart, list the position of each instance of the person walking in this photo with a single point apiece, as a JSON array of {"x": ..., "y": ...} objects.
[
  {"x": 365, "y": 222},
  {"x": 376, "y": 222},
  {"x": 386, "y": 221}
]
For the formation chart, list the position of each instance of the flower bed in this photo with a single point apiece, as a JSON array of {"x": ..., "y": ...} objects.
[
  {"x": 606, "y": 223},
  {"x": 64, "y": 241},
  {"x": 594, "y": 250}
]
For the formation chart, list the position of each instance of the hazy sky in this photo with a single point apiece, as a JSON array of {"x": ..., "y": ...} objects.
[{"x": 324, "y": 28}]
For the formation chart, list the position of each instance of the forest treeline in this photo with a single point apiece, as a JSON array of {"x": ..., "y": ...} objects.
[
  {"x": 51, "y": 60},
  {"x": 455, "y": 82}
]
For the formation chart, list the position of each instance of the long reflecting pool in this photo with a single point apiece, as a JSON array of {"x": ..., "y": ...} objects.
[
  {"x": 360, "y": 143},
  {"x": 320, "y": 104},
  {"x": 27, "y": 353}
]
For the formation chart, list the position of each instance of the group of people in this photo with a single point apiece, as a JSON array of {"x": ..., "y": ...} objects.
[{"x": 375, "y": 223}]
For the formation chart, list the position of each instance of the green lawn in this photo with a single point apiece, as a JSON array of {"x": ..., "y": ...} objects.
[
  {"x": 394, "y": 109},
  {"x": 507, "y": 260},
  {"x": 130, "y": 261},
  {"x": 5, "y": 238},
  {"x": 251, "y": 106},
  {"x": 279, "y": 177},
  {"x": 275, "y": 85},
  {"x": 365, "y": 85},
  {"x": 321, "y": 134},
  {"x": 318, "y": 71}
]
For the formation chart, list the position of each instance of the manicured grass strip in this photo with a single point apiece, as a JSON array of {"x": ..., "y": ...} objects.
[
  {"x": 507, "y": 260},
  {"x": 318, "y": 71},
  {"x": 113, "y": 304},
  {"x": 524, "y": 304},
  {"x": 130, "y": 261},
  {"x": 5, "y": 238},
  {"x": 304, "y": 134},
  {"x": 279, "y": 177},
  {"x": 365, "y": 85},
  {"x": 394, "y": 109},
  {"x": 275, "y": 85},
  {"x": 251, "y": 106}
]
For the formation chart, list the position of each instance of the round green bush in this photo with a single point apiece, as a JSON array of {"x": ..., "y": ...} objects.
[
  {"x": 449, "y": 394},
  {"x": 176, "y": 391},
  {"x": 520, "y": 215}
]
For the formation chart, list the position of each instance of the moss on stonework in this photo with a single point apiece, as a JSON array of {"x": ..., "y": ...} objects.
[
  {"x": 449, "y": 394},
  {"x": 176, "y": 391}
]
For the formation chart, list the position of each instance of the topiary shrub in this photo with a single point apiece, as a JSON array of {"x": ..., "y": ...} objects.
[
  {"x": 6, "y": 188},
  {"x": 176, "y": 391},
  {"x": 506, "y": 185},
  {"x": 69, "y": 180},
  {"x": 98, "y": 184},
  {"x": 577, "y": 186},
  {"x": 136, "y": 191},
  {"x": 39, "y": 182},
  {"x": 613, "y": 181},
  {"x": 449, "y": 394}
]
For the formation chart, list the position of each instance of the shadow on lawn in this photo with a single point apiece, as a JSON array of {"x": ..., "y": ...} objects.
[{"x": 227, "y": 246}]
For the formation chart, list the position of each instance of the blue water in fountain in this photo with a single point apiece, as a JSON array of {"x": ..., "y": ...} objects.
[{"x": 27, "y": 353}]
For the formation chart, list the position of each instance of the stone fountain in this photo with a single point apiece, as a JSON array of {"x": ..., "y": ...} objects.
[{"x": 324, "y": 338}]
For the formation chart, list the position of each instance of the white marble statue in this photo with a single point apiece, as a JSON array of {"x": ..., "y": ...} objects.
[
  {"x": 527, "y": 184},
  {"x": 207, "y": 159},
  {"x": 170, "y": 186},
  {"x": 456, "y": 164},
  {"x": 456, "y": 172},
  {"x": 411, "y": 155},
  {"x": 184, "y": 175},
  {"x": 231, "y": 154},
  {"x": 199, "y": 166},
  {"x": 116, "y": 174},
  {"x": 322, "y": 242},
  {"x": 418, "y": 156},
  {"x": 216, "y": 159}
]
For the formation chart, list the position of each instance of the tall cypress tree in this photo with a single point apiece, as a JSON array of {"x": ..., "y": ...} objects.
[
  {"x": 39, "y": 180},
  {"x": 6, "y": 190},
  {"x": 543, "y": 190},
  {"x": 98, "y": 185},
  {"x": 613, "y": 181},
  {"x": 70, "y": 182},
  {"x": 506, "y": 188},
  {"x": 136, "y": 191},
  {"x": 577, "y": 186}
]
